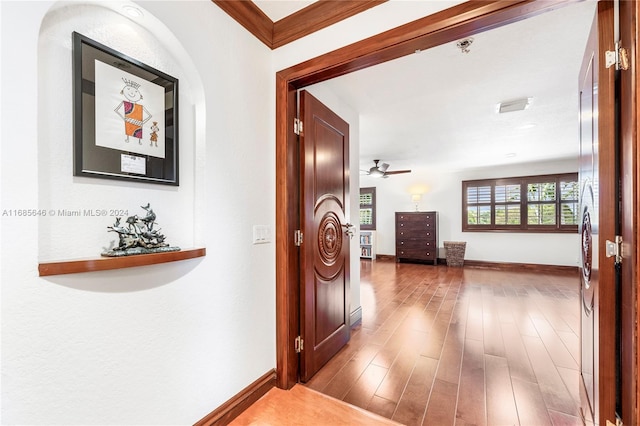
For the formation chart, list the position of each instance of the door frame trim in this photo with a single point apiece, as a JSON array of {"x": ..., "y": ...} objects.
[
  {"x": 630, "y": 181},
  {"x": 446, "y": 26}
]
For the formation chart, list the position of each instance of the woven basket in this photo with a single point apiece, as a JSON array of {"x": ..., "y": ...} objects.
[{"x": 455, "y": 252}]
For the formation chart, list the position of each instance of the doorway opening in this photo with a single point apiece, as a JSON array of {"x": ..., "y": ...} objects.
[{"x": 452, "y": 24}]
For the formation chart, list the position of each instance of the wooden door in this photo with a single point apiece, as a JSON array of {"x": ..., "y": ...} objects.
[
  {"x": 324, "y": 256},
  {"x": 598, "y": 203},
  {"x": 628, "y": 405}
]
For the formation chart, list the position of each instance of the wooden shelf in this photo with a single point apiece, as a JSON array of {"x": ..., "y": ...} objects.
[{"x": 107, "y": 263}]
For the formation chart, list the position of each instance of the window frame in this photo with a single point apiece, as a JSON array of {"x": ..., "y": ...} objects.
[
  {"x": 524, "y": 203},
  {"x": 369, "y": 190}
]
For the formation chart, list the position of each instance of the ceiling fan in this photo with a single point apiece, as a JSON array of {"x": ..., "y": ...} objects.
[{"x": 382, "y": 170}]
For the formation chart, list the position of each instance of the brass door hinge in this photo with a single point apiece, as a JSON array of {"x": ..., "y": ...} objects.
[
  {"x": 297, "y": 238},
  {"x": 618, "y": 57},
  {"x": 614, "y": 249},
  {"x": 298, "y": 344},
  {"x": 297, "y": 126},
  {"x": 617, "y": 423}
]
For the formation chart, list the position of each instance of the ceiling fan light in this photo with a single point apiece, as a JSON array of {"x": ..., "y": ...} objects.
[{"x": 514, "y": 105}]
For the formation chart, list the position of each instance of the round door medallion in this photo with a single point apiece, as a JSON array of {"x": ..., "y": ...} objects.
[
  {"x": 329, "y": 238},
  {"x": 586, "y": 247}
]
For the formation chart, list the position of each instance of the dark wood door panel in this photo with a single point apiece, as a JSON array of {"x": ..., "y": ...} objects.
[
  {"x": 329, "y": 181},
  {"x": 598, "y": 201},
  {"x": 324, "y": 253},
  {"x": 328, "y": 321},
  {"x": 589, "y": 223}
]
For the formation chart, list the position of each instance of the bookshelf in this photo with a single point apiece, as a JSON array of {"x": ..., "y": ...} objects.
[{"x": 368, "y": 245}]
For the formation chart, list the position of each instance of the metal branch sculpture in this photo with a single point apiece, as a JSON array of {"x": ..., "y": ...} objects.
[{"x": 138, "y": 236}]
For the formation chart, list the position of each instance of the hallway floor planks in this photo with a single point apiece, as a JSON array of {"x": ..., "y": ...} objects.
[
  {"x": 440, "y": 346},
  {"x": 303, "y": 406}
]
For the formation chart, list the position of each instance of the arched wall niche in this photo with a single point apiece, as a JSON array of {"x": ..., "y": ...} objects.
[{"x": 145, "y": 38}]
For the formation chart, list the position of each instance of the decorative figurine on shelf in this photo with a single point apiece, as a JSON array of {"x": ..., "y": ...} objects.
[{"x": 138, "y": 236}]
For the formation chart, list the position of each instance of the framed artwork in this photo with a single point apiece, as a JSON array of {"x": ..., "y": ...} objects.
[{"x": 125, "y": 116}]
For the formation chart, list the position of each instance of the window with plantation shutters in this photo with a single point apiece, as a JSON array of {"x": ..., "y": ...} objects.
[
  {"x": 546, "y": 203},
  {"x": 569, "y": 203},
  {"x": 479, "y": 205},
  {"x": 368, "y": 208},
  {"x": 507, "y": 203}
]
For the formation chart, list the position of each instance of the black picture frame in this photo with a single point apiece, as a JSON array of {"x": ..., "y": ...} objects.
[{"x": 134, "y": 140}]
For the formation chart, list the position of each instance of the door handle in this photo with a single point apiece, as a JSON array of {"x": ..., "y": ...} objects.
[{"x": 349, "y": 229}]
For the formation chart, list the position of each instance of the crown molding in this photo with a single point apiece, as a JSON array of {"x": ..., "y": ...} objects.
[{"x": 312, "y": 18}]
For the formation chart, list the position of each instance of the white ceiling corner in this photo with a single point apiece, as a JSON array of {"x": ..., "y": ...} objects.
[{"x": 278, "y": 9}]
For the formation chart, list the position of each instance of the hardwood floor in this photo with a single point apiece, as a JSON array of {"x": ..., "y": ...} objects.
[
  {"x": 303, "y": 406},
  {"x": 440, "y": 346}
]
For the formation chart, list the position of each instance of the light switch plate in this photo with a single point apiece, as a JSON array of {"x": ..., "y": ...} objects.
[{"x": 261, "y": 234}]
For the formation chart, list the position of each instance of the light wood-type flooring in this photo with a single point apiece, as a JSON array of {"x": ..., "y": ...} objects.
[
  {"x": 442, "y": 345},
  {"x": 303, "y": 406}
]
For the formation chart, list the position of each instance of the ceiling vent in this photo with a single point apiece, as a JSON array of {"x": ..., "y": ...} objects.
[{"x": 515, "y": 105}]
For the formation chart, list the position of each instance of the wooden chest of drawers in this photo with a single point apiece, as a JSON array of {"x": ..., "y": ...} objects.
[{"x": 417, "y": 237}]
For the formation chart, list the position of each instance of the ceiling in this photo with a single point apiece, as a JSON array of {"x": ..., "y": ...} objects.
[
  {"x": 437, "y": 109},
  {"x": 278, "y": 9}
]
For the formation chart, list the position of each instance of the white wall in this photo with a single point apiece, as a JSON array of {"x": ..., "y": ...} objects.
[
  {"x": 162, "y": 344},
  {"x": 444, "y": 195}
]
